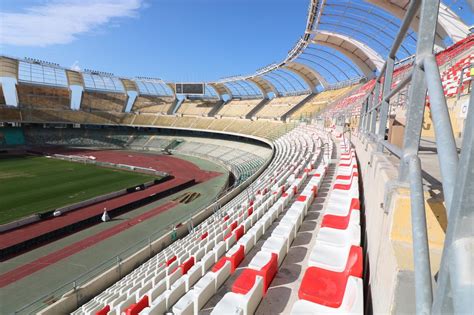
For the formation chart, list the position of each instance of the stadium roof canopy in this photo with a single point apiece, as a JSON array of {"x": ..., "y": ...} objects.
[{"x": 344, "y": 41}]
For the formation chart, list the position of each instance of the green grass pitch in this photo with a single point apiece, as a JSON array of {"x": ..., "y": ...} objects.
[{"x": 30, "y": 185}]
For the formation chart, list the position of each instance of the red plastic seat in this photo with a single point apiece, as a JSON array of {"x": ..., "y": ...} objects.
[
  {"x": 170, "y": 261},
  {"x": 239, "y": 232},
  {"x": 136, "y": 308},
  {"x": 187, "y": 265},
  {"x": 326, "y": 287},
  {"x": 301, "y": 198},
  {"x": 233, "y": 225},
  {"x": 245, "y": 282},
  {"x": 235, "y": 259},
  {"x": 250, "y": 211},
  {"x": 340, "y": 222},
  {"x": 345, "y": 186},
  {"x": 346, "y": 177},
  {"x": 104, "y": 311}
]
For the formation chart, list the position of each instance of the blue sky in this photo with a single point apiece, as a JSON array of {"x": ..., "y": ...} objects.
[{"x": 187, "y": 40}]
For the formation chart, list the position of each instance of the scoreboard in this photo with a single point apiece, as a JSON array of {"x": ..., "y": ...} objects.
[{"x": 190, "y": 88}]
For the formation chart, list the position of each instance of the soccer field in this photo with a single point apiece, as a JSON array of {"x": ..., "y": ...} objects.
[{"x": 36, "y": 184}]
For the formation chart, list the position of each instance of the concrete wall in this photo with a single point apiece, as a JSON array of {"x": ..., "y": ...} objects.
[{"x": 388, "y": 242}]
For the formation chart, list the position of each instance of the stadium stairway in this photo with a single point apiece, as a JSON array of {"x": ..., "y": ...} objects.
[
  {"x": 298, "y": 106},
  {"x": 257, "y": 108}
]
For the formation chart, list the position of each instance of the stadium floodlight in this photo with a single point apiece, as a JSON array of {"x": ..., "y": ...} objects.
[
  {"x": 102, "y": 73},
  {"x": 42, "y": 62},
  {"x": 149, "y": 79}
]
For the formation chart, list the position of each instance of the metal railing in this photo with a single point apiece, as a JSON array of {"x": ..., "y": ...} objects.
[
  {"x": 453, "y": 286},
  {"x": 46, "y": 299}
]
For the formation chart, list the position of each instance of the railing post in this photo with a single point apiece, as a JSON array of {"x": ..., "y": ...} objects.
[
  {"x": 375, "y": 99},
  {"x": 421, "y": 251},
  {"x": 417, "y": 91},
  {"x": 447, "y": 151},
  {"x": 455, "y": 282},
  {"x": 363, "y": 110},
  {"x": 387, "y": 86}
]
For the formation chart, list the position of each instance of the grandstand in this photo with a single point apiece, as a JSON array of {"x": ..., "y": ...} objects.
[
  {"x": 279, "y": 106},
  {"x": 239, "y": 108},
  {"x": 336, "y": 181},
  {"x": 197, "y": 107}
]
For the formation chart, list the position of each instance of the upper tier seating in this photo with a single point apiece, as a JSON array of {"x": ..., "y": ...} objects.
[
  {"x": 451, "y": 61},
  {"x": 263, "y": 129},
  {"x": 279, "y": 106},
  {"x": 9, "y": 114},
  {"x": 353, "y": 100},
  {"x": 43, "y": 97},
  {"x": 319, "y": 102},
  {"x": 153, "y": 104},
  {"x": 457, "y": 78},
  {"x": 198, "y": 107},
  {"x": 238, "y": 108},
  {"x": 101, "y": 101}
]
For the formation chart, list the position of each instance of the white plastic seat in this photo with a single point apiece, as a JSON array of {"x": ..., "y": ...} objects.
[
  {"x": 286, "y": 230},
  {"x": 248, "y": 241},
  {"x": 158, "y": 307},
  {"x": 256, "y": 231},
  {"x": 177, "y": 290},
  {"x": 173, "y": 277},
  {"x": 185, "y": 305},
  {"x": 336, "y": 237},
  {"x": 204, "y": 289},
  {"x": 230, "y": 241},
  {"x": 193, "y": 275},
  {"x": 219, "y": 250},
  {"x": 245, "y": 304},
  {"x": 222, "y": 274},
  {"x": 278, "y": 245},
  {"x": 117, "y": 301},
  {"x": 157, "y": 290},
  {"x": 329, "y": 257}
]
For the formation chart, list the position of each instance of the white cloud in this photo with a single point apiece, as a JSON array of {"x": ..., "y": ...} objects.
[
  {"x": 59, "y": 22},
  {"x": 75, "y": 66}
]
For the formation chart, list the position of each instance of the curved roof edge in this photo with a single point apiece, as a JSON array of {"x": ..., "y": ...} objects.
[
  {"x": 264, "y": 85},
  {"x": 449, "y": 23},
  {"x": 309, "y": 75},
  {"x": 367, "y": 59}
]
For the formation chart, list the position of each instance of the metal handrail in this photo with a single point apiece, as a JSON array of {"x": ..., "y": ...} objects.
[{"x": 457, "y": 185}]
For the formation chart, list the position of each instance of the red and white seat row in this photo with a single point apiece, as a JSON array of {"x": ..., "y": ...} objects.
[
  {"x": 332, "y": 283},
  {"x": 451, "y": 78},
  {"x": 167, "y": 276},
  {"x": 194, "y": 300},
  {"x": 253, "y": 282}
]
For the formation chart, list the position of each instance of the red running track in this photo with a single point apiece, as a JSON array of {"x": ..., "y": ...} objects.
[
  {"x": 182, "y": 171},
  {"x": 45, "y": 261},
  {"x": 165, "y": 163},
  {"x": 30, "y": 231}
]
